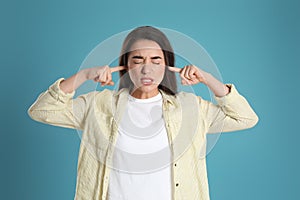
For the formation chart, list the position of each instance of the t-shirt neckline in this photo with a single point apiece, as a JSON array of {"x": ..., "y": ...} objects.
[{"x": 148, "y": 100}]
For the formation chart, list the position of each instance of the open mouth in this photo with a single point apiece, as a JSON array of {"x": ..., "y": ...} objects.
[{"x": 147, "y": 81}]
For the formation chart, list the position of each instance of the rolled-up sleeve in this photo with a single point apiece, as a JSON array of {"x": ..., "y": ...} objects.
[
  {"x": 232, "y": 112},
  {"x": 55, "y": 107}
]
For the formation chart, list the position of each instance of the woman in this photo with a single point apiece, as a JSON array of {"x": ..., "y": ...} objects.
[{"x": 111, "y": 123}]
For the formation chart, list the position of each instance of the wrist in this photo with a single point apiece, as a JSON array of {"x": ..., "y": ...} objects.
[
  {"x": 207, "y": 78},
  {"x": 83, "y": 74}
]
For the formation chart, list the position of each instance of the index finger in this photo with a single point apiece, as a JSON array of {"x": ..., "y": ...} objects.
[
  {"x": 175, "y": 69},
  {"x": 118, "y": 68}
]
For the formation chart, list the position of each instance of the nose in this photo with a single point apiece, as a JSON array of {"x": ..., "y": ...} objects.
[
  {"x": 146, "y": 68},
  {"x": 147, "y": 61}
]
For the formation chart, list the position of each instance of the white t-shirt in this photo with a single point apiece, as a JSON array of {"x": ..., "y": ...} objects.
[{"x": 141, "y": 169}]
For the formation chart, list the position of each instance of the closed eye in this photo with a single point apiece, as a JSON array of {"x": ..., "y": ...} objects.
[
  {"x": 156, "y": 60},
  {"x": 140, "y": 59},
  {"x": 137, "y": 59}
]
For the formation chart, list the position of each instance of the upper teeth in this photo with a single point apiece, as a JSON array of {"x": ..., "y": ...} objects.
[{"x": 146, "y": 80}]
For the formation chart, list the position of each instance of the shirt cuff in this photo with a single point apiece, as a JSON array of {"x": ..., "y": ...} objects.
[
  {"x": 222, "y": 101},
  {"x": 58, "y": 94}
]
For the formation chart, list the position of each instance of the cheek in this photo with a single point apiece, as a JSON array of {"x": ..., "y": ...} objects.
[
  {"x": 133, "y": 74},
  {"x": 160, "y": 74}
]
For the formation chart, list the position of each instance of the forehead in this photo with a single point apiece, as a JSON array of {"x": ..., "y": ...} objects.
[{"x": 146, "y": 47}]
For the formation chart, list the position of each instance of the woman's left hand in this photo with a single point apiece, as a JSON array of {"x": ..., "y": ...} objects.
[{"x": 191, "y": 75}]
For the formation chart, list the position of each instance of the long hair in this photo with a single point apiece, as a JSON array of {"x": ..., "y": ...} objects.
[{"x": 168, "y": 84}]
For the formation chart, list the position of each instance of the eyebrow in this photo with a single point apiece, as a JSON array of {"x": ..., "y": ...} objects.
[
  {"x": 141, "y": 57},
  {"x": 137, "y": 57},
  {"x": 156, "y": 57}
]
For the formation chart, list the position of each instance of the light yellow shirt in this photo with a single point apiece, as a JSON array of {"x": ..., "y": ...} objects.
[{"x": 188, "y": 118}]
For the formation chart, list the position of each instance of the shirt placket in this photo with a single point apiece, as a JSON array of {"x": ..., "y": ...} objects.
[
  {"x": 170, "y": 131},
  {"x": 113, "y": 139}
]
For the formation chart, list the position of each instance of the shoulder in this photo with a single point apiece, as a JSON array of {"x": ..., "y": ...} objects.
[
  {"x": 188, "y": 95},
  {"x": 109, "y": 97},
  {"x": 182, "y": 99},
  {"x": 191, "y": 99},
  {"x": 103, "y": 96},
  {"x": 100, "y": 101},
  {"x": 104, "y": 93},
  {"x": 183, "y": 94},
  {"x": 96, "y": 94}
]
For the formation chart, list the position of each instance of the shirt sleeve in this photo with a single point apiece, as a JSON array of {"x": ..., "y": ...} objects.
[
  {"x": 232, "y": 112},
  {"x": 55, "y": 107}
]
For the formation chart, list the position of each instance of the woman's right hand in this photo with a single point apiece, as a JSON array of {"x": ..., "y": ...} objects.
[{"x": 102, "y": 74}]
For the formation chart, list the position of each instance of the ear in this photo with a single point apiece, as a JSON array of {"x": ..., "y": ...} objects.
[{"x": 126, "y": 66}]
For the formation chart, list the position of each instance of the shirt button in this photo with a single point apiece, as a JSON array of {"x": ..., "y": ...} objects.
[
  {"x": 175, "y": 164},
  {"x": 177, "y": 184}
]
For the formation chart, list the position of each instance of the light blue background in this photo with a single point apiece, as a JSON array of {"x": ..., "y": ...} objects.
[{"x": 255, "y": 44}]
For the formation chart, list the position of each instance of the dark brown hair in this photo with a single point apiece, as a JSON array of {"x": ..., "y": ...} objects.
[{"x": 168, "y": 84}]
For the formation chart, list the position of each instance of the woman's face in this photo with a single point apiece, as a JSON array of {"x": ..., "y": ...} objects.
[{"x": 146, "y": 65}]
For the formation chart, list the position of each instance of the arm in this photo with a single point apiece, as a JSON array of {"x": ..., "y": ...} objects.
[
  {"x": 56, "y": 105},
  {"x": 232, "y": 113},
  {"x": 98, "y": 74},
  {"x": 57, "y": 108}
]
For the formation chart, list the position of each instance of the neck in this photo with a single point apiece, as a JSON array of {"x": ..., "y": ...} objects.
[{"x": 144, "y": 95}]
